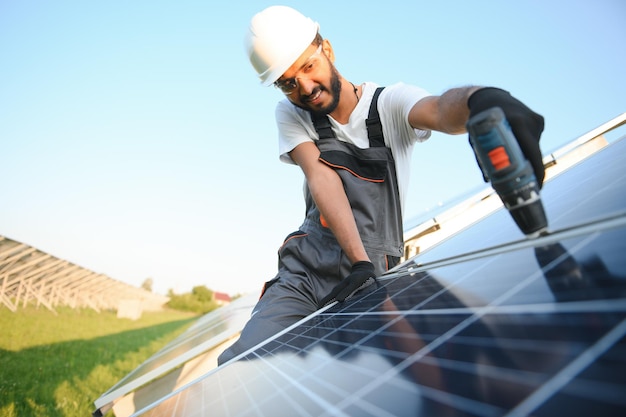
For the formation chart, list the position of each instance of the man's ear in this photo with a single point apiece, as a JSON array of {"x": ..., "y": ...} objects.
[{"x": 328, "y": 50}]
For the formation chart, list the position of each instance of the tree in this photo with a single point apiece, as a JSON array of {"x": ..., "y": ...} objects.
[
  {"x": 202, "y": 293},
  {"x": 199, "y": 300}
]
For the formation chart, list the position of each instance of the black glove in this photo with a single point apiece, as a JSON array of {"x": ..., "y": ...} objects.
[
  {"x": 525, "y": 123},
  {"x": 361, "y": 272}
]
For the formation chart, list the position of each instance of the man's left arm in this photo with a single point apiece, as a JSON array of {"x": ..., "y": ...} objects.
[{"x": 450, "y": 112}]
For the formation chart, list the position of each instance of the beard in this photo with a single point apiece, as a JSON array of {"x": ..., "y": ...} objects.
[{"x": 334, "y": 91}]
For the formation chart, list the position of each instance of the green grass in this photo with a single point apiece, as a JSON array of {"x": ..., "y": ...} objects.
[{"x": 57, "y": 365}]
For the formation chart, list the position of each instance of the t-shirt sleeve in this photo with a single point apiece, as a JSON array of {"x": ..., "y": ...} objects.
[
  {"x": 293, "y": 129},
  {"x": 399, "y": 99}
]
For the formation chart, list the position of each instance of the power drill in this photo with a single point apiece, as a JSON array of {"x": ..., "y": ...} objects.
[{"x": 502, "y": 162}]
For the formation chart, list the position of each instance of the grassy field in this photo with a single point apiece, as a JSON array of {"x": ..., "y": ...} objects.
[{"x": 57, "y": 365}]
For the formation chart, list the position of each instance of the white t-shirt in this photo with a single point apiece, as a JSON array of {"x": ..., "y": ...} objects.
[{"x": 394, "y": 103}]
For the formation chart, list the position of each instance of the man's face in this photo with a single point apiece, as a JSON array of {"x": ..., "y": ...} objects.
[{"x": 312, "y": 82}]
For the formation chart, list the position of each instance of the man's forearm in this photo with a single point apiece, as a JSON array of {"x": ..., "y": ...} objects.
[
  {"x": 453, "y": 109},
  {"x": 446, "y": 113},
  {"x": 330, "y": 198}
]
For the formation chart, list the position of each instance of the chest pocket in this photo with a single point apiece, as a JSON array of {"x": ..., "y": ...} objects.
[
  {"x": 361, "y": 163},
  {"x": 372, "y": 170}
]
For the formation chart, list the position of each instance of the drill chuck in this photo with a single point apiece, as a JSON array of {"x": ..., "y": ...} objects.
[
  {"x": 526, "y": 208},
  {"x": 503, "y": 164}
]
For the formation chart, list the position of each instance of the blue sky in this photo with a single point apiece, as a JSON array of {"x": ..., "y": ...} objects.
[{"x": 136, "y": 141}]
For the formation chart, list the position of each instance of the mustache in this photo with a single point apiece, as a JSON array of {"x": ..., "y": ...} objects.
[{"x": 305, "y": 97}]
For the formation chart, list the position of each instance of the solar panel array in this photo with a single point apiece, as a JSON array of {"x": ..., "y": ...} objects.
[
  {"x": 31, "y": 276},
  {"x": 528, "y": 327},
  {"x": 188, "y": 355}
]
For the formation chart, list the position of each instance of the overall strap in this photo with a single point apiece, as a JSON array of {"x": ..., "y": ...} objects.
[
  {"x": 374, "y": 127},
  {"x": 322, "y": 126}
]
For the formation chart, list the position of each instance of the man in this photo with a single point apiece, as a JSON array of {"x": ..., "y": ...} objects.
[{"x": 353, "y": 143}]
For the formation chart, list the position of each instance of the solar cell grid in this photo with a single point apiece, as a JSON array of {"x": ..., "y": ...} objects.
[
  {"x": 352, "y": 355},
  {"x": 395, "y": 351}
]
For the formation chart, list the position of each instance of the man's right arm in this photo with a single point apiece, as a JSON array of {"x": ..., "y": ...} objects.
[
  {"x": 450, "y": 112},
  {"x": 329, "y": 196},
  {"x": 446, "y": 113}
]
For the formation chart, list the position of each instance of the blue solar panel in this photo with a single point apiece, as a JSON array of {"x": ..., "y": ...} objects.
[{"x": 486, "y": 323}]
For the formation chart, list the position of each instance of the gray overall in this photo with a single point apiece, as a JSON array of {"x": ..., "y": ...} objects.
[{"x": 311, "y": 262}]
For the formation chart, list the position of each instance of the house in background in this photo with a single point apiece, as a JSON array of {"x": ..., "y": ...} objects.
[{"x": 221, "y": 298}]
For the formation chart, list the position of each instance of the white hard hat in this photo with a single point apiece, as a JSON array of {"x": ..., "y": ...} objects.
[{"x": 276, "y": 38}]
